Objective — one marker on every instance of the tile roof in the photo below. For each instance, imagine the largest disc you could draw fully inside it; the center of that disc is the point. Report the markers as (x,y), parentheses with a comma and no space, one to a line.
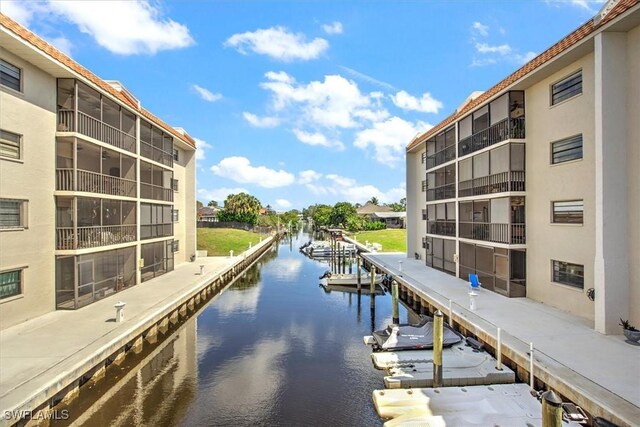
(570,40)
(63,59)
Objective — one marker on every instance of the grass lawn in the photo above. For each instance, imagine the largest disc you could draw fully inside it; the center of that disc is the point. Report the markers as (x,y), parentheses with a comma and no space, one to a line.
(392,240)
(219,241)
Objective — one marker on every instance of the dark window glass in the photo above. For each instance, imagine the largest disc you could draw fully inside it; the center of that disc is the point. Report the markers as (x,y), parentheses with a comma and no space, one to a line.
(10,283)
(568,274)
(566,149)
(175,215)
(175,154)
(568,212)
(11,214)
(9,75)
(175,246)
(566,88)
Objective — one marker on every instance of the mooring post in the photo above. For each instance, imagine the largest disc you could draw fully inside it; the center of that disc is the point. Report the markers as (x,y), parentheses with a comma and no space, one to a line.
(394,303)
(531,365)
(372,273)
(359,273)
(551,409)
(437,348)
(450,314)
(344,259)
(499,349)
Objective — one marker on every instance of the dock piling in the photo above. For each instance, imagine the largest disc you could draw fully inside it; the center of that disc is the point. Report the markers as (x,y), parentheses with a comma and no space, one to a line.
(531,366)
(372,275)
(499,349)
(551,409)
(437,348)
(359,273)
(394,303)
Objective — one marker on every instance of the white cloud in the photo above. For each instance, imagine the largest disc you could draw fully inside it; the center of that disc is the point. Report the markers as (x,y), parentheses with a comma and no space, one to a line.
(482,62)
(278,43)
(61,43)
(201,147)
(591,6)
(389,138)
(305,177)
(206,94)
(333,103)
(261,122)
(349,189)
(283,203)
(125,27)
(502,49)
(526,57)
(218,194)
(367,78)
(20,11)
(239,169)
(480,29)
(317,139)
(426,104)
(333,28)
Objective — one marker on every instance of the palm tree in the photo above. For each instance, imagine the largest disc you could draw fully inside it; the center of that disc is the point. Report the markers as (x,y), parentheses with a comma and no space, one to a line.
(373,201)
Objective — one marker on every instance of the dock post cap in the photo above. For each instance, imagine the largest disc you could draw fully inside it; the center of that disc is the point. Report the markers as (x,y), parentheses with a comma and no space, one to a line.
(551,398)
(119,304)
(438,313)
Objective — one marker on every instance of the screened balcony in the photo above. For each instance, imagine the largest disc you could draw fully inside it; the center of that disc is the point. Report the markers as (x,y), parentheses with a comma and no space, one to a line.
(500,270)
(156,144)
(84,110)
(498,220)
(99,170)
(156,182)
(441,219)
(498,121)
(441,148)
(83,222)
(441,183)
(496,171)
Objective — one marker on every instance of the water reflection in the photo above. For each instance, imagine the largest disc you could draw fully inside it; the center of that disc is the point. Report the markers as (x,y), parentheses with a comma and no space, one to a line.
(273,349)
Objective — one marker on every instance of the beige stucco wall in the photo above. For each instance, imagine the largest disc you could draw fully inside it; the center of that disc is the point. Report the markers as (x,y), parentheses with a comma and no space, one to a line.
(31,114)
(184,201)
(416,227)
(633,171)
(564,181)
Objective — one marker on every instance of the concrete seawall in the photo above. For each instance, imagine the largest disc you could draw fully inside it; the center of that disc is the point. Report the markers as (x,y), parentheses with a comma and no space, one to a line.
(46,361)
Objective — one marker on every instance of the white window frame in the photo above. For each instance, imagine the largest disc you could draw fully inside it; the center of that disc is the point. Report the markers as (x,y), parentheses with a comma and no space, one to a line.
(20,283)
(562,80)
(24,223)
(7,142)
(20,76)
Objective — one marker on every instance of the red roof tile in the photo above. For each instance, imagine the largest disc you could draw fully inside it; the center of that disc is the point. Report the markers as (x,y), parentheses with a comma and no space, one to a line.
(56,55)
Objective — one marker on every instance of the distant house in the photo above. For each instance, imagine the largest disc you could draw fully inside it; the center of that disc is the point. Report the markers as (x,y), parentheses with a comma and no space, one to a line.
(208,214)
(383,214)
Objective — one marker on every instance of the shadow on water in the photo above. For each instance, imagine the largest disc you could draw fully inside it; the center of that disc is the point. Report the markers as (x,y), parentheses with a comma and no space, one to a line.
(273,349)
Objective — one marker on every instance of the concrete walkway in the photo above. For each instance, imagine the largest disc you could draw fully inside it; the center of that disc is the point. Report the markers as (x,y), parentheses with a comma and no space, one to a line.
(42,353)
(605,366)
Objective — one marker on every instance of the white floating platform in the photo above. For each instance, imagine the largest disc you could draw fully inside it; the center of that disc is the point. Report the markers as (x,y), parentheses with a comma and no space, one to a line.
(460,367)
(390,359)
(497,405)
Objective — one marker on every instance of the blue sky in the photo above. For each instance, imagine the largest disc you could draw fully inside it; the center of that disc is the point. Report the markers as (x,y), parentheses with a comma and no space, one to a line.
(302,102)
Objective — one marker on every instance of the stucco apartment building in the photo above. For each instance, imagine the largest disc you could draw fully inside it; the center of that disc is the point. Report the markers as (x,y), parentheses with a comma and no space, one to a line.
(535,184)
(96,193)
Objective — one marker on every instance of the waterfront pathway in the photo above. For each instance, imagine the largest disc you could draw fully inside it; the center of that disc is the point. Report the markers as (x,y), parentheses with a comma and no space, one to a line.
(603,367)
(40,354)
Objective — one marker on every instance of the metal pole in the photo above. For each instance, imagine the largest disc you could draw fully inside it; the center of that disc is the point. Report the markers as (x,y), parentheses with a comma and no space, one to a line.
(450,314)
(359,273)
(551,409)
(437,349)
(531,366)
(344,259)
(499,350)
(394,303)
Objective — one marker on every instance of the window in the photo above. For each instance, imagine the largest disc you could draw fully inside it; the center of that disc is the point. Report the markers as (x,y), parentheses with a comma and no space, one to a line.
(175,154)
(10,144)
(568,212)
(13,214)
(10,283)
(568,274)
(175,246)
(566,88)
(424,214)
(174,184)
(423,156)
(174,215)
(566,150)
(10,75)
(424,185)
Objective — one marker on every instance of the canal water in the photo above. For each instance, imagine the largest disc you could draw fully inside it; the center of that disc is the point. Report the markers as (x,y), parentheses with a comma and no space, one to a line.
(274,349)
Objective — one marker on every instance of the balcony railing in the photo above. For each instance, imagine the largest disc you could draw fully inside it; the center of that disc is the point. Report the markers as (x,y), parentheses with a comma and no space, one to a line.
(94,182)
(501,131)
(95,129)
(150,152)
(441,157)
(443,228)
(151,231)
(155,192)
(91,237)
(497,183)
(491,232)
(443,192)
